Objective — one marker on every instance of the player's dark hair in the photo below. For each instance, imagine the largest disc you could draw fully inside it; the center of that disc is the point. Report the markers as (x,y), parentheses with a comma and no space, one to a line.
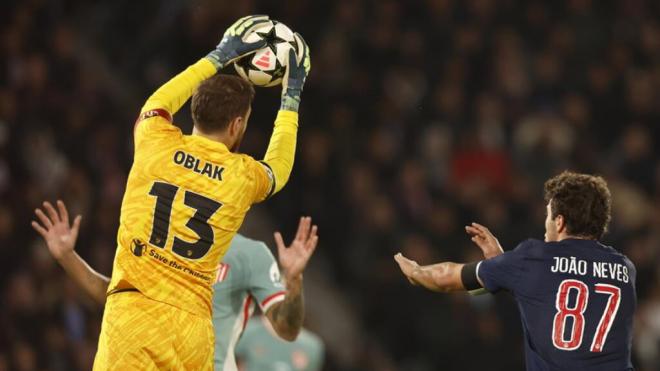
(219,100)
(583,200)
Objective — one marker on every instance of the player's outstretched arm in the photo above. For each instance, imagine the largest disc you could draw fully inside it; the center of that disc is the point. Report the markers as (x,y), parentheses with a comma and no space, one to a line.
(61,238)
(171,96)
(441,277)
(287,316)
(448,276)
(282,147)
(486,241)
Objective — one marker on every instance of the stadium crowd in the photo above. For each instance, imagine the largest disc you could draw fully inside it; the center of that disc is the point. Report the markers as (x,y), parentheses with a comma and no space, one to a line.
(418,117)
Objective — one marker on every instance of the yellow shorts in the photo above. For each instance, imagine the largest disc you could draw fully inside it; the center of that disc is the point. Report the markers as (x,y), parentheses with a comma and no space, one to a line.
(143,334)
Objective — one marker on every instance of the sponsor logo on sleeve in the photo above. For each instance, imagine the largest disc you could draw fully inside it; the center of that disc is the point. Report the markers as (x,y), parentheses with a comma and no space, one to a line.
(275,273)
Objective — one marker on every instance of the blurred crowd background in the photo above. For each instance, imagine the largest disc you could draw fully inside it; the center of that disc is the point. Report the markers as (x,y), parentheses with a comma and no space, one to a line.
(418,118)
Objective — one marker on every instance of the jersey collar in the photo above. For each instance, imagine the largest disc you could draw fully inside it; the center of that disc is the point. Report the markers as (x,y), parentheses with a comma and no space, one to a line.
(208,143)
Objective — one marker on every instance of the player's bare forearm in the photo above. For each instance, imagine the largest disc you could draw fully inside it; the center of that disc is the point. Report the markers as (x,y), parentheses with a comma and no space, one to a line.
(282,147)
(94,283)
(174,93)
(287,316)
(441,277)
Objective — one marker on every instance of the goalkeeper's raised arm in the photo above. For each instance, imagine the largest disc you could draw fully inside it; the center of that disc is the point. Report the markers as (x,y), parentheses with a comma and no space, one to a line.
(281,150)
(173,94)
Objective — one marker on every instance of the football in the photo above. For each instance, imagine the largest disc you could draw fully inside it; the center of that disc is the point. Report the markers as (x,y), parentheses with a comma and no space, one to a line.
(267,66)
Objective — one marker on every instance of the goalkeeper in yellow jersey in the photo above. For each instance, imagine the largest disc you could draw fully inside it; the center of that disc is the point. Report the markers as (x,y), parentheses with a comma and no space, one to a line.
(185,199)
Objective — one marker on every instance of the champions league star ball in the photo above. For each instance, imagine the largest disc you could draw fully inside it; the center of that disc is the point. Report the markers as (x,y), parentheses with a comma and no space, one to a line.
(267,66)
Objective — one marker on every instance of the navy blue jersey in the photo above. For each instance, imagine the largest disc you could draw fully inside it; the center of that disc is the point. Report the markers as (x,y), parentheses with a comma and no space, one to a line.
(576,300)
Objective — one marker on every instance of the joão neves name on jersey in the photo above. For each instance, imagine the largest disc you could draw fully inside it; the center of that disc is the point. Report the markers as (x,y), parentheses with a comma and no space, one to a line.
(198,166)
(572,265)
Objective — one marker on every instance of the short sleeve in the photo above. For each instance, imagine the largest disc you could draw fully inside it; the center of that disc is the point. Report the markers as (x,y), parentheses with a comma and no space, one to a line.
(504,271)
(154,124)
(264,180)
(265,282)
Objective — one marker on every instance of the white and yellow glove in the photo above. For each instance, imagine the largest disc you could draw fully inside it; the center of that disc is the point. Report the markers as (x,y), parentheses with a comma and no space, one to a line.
(232,46)
(294,79)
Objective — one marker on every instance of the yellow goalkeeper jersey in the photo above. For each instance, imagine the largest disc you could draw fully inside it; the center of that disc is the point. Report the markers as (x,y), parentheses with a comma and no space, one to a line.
(186,197)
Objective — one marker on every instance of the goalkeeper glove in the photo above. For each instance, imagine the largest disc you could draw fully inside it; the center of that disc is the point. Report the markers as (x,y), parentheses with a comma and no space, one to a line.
(232,46)
(296,72)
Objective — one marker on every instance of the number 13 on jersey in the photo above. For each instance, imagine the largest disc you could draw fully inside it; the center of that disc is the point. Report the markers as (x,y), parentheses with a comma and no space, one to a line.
(204,209)
(576,313)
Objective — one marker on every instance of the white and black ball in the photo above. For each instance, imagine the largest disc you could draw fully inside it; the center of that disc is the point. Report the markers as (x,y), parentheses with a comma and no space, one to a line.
(266,67)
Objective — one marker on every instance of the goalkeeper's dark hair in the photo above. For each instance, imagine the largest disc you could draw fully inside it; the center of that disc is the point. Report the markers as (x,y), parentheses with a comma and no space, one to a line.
(219,100)
(583,200)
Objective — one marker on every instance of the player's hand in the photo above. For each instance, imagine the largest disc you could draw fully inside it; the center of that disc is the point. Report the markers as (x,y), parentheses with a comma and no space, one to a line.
(483,238)
(59,235)
(293,259)
(233,45)
(407,266)
(297,70)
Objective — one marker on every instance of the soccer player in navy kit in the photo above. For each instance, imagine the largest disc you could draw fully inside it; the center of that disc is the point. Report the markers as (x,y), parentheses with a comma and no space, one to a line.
(576,296)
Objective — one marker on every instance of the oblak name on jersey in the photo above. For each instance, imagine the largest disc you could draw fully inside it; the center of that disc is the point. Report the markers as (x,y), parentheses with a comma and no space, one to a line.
(573,265)
(194,164)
